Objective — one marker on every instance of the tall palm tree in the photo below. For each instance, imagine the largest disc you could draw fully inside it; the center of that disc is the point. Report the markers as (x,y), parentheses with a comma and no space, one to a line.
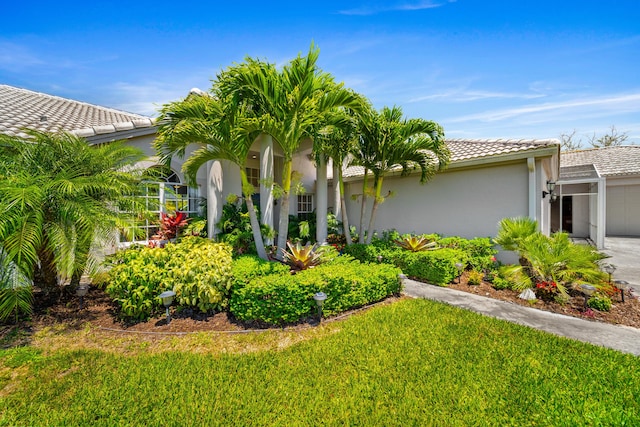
(216,124)
(388,142)
(335,140)
(287,103)
(58,196)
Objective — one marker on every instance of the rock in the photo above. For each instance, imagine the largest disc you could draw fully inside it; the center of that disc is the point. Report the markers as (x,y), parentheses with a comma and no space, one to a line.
(527,294)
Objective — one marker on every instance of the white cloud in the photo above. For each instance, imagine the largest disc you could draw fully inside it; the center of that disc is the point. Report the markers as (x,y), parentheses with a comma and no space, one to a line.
(15,58)
(458,95)
(596,107)
(147,97)
(372,10)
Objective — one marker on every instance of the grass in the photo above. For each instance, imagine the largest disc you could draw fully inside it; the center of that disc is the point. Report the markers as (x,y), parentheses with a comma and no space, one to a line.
(415,362)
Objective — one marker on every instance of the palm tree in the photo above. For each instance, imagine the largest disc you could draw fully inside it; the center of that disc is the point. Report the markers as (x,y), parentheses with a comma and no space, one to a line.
(59,196)
(387,142)
(216,124)
(287,104)
(335,140)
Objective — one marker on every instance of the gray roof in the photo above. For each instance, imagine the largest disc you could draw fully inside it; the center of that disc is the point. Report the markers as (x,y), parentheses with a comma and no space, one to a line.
(22,108)
(608,161)
(475,149)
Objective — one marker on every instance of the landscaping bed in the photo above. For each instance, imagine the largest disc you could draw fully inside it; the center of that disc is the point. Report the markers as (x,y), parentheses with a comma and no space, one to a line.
(627,313)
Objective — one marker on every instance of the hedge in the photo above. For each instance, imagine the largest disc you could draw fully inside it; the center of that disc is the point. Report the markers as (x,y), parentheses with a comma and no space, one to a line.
(279,299)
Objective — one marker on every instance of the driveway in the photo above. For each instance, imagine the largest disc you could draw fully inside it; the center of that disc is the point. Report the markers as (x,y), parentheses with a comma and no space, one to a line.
(625,255)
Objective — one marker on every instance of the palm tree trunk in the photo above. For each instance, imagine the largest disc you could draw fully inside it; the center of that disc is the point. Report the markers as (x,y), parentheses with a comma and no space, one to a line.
(363,207)
(283,223)
(374,210)
(343,204)
(247,190)
(46,274)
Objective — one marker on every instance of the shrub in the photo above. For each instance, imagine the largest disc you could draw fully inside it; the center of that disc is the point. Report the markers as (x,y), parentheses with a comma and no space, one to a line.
(363,252)
(198,270)
(200,273)
(437,267)
(500,283)
(247,267)
(279,299)
(475,277)
(600,302)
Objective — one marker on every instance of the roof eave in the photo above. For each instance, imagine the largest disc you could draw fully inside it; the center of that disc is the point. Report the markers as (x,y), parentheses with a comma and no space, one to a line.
(547,151)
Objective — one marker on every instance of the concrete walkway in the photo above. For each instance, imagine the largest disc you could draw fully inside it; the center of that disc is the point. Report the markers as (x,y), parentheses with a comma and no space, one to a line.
(622,338)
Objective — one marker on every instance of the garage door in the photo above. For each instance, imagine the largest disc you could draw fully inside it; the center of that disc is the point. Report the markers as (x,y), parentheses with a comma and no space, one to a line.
(623,210)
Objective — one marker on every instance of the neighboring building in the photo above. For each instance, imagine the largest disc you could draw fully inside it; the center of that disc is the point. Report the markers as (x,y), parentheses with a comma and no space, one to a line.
(599,193)
(487,180)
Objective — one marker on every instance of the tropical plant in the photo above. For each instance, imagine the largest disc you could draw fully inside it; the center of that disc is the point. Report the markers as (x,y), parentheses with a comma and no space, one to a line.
(416,243)
(553,259)
(217,123)
(513,232)
(15,289)
(301,257)
(387,142)
(170,225)
(59,196)
(335,140)
(288,103)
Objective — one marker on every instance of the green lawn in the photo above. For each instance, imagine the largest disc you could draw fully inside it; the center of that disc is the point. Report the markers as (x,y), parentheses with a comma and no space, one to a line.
(414,362)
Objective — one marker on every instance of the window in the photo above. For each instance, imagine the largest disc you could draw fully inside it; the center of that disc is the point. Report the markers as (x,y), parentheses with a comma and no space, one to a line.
(164,194)
(305,206)
(253,175)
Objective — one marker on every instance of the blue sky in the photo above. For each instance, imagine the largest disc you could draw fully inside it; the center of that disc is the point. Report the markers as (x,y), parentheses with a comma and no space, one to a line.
(482,69)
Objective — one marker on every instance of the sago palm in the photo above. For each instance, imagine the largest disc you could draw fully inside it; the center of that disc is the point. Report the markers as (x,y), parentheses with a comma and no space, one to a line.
(217,125)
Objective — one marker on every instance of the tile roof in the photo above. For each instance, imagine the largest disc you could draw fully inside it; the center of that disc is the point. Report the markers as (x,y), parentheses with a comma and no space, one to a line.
(472,149)
(608,161)
(22,108)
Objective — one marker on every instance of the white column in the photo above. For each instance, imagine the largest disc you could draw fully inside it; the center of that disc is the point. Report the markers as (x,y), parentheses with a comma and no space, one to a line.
(215,197)
(602,213)
(223,179)
(337,206)
(321,200)
(533,194)
(266,176)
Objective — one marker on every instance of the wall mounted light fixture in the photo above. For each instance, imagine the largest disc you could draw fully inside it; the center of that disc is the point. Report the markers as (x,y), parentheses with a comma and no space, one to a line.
(551,186)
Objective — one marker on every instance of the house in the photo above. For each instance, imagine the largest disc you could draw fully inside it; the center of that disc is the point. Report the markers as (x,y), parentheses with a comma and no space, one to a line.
(598,193)
(487,180)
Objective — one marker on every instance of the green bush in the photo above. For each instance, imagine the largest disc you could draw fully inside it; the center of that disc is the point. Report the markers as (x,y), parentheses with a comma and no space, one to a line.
(198,270)
(363,252)
(437,267)
(500,283)
(475,277)
(279,299)
(200,273)
(480,250)
(247,267)
(600,302)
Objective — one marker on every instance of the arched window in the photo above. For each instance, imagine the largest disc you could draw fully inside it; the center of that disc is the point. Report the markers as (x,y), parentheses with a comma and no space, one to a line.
(162,191)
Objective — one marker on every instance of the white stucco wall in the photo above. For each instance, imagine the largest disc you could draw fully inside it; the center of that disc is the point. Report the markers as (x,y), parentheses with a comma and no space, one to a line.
(467,203)
(623,206)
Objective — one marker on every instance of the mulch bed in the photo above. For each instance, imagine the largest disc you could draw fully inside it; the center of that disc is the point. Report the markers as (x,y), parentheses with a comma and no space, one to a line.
(101,312)
(627,313)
